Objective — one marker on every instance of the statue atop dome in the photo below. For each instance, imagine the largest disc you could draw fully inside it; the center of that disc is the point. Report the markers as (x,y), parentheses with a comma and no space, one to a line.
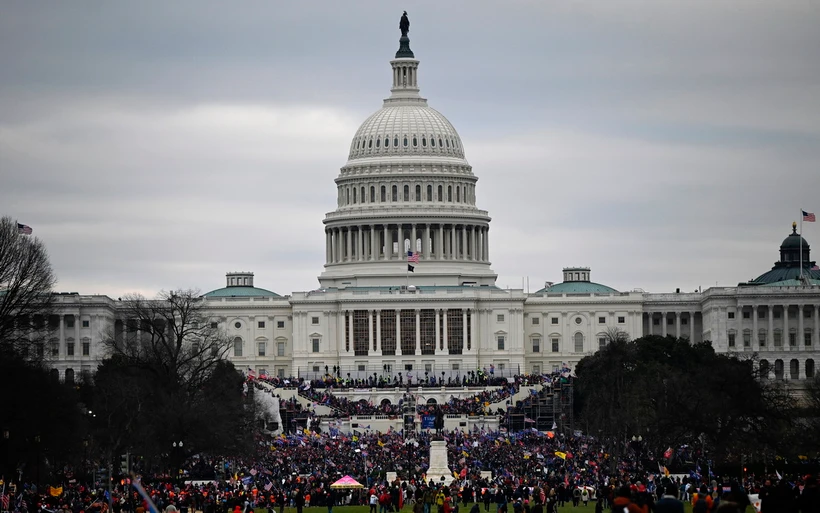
(404,24)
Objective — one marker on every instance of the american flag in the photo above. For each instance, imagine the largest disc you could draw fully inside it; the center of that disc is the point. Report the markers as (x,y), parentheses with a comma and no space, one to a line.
(5,501)
(412,257)
(26,229)
(815,268)
(809,217)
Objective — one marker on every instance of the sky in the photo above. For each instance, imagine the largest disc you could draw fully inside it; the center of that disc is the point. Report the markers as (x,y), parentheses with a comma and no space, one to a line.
(157,145)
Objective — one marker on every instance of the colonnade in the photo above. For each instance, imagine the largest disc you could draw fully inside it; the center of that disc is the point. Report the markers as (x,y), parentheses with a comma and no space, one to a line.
(374,242)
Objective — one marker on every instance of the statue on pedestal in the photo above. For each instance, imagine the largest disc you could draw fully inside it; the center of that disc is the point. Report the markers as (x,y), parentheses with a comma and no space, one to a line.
(404,24)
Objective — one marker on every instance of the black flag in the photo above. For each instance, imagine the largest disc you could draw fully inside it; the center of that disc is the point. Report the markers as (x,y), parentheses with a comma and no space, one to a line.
(410,268)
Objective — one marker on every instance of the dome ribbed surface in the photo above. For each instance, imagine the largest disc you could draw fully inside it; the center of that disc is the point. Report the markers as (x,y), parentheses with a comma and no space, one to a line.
(407,130)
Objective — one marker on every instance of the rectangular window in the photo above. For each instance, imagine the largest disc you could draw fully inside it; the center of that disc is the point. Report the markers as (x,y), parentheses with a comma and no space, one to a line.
(536,369)
(86,324)
(280,349)
(315,343)
(731,315)
(237,347)
(621,320)
(579,343)
(315,368)
(777,314)
(731,340)
(792,339)
(536,321)
(55,349)
(761,338)
(428,367)
(554,320)
(536,345)
(280,324)
(361,367)
(601,342)
(280,372)
(69,322)
(214,325)
(747,315)
(456,366)
(500,341)
(261,349)
(778,339)
(670,321)
(684,321)
(555,345)
(314,320)
(260,324)
(656,321)
(601,320)
(499,318)
(86,348)
(408,366)
(747,340)
(807,338)
(501,367)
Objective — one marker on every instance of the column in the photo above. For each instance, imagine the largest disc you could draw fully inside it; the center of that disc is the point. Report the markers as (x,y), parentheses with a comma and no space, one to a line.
(800,330)
(62,334)
(378,330)
(755,343)
(487,244)
(78,344)
(770,334)
(649,319)
(439,242)
(463,242)
(663,323)
(417,349)
(446,345)
(692,327)
(360,245)
(425,244)
(348,245)
(438,329)
(473,330)
(413,246)
(386,241)
(370,345)
(332,246)
(816,313)
(677,324)
(349,315)
(327,247)
(784,338)
(374,255)
(453,250)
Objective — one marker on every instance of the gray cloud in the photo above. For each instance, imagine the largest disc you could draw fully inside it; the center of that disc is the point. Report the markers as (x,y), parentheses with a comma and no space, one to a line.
(155,145)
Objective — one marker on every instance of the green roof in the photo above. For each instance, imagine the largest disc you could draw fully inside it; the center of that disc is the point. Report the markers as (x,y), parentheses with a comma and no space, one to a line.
(241,292)
(791,283)
(578,287)
(779,274)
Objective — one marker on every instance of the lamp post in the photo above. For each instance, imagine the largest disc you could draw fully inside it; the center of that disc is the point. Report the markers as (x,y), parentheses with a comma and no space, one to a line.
(177,450)
(37,444)
(7,443)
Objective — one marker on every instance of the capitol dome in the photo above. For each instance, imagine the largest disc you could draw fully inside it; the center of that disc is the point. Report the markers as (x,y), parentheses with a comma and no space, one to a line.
(413,129)
(406,199)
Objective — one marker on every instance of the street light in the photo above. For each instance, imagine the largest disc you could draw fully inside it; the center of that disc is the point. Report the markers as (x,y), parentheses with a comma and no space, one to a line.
(407,444)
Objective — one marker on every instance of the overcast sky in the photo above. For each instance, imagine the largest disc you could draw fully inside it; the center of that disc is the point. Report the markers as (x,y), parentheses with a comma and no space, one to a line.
(158,145)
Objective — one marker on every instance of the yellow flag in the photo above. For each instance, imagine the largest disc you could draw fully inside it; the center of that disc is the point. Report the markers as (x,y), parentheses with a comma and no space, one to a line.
(464,453)
(561,455)
(665,472)
(381,444)
(355,438)
(55,492)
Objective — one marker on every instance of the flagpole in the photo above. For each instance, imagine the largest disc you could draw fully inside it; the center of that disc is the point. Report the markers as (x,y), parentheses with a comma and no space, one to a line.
(800,243)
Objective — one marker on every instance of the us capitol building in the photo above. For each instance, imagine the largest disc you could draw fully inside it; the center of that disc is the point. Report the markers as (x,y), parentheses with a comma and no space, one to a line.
(407,187)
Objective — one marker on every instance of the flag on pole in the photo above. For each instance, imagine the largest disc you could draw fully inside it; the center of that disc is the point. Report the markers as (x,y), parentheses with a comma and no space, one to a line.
(815,268)
(251,373)
(410,268)
(561,455)
(414,257)
(25,229)
(808,217)
(779,477)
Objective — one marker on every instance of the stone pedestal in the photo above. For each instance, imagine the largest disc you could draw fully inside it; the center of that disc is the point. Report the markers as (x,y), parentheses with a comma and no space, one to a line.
(438,464)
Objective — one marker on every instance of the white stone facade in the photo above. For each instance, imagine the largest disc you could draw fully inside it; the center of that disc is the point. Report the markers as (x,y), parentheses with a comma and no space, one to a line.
(407,187)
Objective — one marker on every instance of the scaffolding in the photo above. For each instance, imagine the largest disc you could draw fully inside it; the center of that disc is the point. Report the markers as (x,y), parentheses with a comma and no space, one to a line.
(409,415)
(564,406)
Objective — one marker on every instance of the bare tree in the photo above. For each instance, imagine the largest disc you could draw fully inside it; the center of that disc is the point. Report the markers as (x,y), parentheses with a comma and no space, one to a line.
(26,283)
(171,336)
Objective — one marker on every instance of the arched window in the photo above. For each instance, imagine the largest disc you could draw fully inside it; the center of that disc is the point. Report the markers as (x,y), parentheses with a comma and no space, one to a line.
(405,142)
(423,142)
(764,369)
(387,142)
(370,143)
(810,369)
(354,195)
(794,369)
(579,342)
(347,191)
(237,346)
(69,376)
(450,193)
(385,402)
(418,192)
(406,193)
(458,194)
(395,195)
(362,196)
(415,141)
(384,194)
(778,369)
(439,143)
(396,142)
(429,193)
(432,401)
(378,142)
(433,142)
(440,193)
(372,194)
(448,142)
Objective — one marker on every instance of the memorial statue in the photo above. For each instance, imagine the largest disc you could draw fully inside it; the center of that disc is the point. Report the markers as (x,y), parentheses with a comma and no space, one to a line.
(404,25)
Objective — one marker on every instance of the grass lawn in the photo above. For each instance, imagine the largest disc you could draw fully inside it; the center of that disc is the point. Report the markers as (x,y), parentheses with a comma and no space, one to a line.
(687,508)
